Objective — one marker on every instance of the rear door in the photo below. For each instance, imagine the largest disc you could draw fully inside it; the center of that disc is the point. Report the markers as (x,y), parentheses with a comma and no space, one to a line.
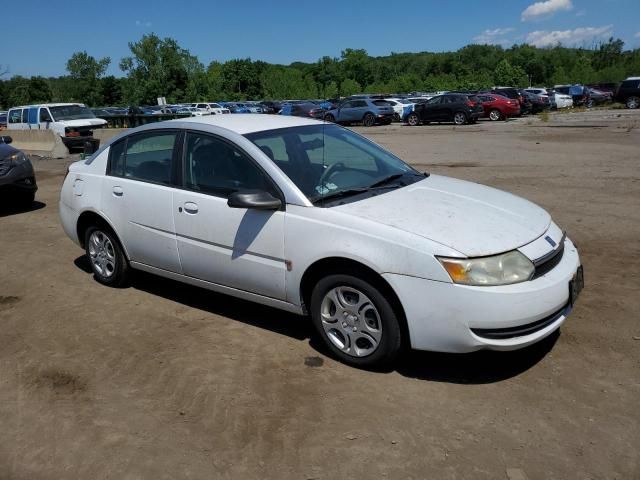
(137,196)
(345,112)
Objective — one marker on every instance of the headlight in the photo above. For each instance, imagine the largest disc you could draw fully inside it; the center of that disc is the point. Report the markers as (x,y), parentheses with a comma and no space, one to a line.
(17,158)
(504,269)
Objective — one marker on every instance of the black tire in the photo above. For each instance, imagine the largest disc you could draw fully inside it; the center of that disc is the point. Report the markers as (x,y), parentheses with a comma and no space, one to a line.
(495,115)
(413,119)
(632,102)
(118,274)
(329,118)
(590,103)
(369,120)
(390,342)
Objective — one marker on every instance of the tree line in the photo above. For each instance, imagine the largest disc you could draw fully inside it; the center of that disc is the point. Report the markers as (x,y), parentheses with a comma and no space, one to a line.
(160,67)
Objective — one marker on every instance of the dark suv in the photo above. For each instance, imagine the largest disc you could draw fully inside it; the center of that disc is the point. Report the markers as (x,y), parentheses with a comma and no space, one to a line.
(453,107)
(629,92)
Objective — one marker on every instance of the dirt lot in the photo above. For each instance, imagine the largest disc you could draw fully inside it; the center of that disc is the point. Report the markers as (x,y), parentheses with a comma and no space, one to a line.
(164,381)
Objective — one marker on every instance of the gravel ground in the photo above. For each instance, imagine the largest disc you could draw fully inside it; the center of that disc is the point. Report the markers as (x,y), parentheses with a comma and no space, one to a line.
(165,381)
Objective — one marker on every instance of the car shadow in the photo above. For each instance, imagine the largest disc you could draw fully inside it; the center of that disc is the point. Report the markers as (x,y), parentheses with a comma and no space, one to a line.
(475,368)
(469,368)
(6,209)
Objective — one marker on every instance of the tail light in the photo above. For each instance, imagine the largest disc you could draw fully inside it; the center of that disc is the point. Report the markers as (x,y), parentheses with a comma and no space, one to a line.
(469,103)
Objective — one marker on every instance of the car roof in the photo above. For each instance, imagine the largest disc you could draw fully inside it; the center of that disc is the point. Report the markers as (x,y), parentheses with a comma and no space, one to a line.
(248,123)
(50,105)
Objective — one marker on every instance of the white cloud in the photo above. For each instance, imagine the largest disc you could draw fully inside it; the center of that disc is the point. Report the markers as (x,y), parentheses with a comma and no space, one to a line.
(578,36)
(581,13)
(637,35)
(493,36)
(544,8)
(140,23)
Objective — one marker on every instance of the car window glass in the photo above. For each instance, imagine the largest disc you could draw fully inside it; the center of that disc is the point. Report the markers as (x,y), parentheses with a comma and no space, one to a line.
(217,167)
(148,157)
(15,116)
(383,103)
(347,105)
(25,114)
(44,115)
(434,101)
(116,158)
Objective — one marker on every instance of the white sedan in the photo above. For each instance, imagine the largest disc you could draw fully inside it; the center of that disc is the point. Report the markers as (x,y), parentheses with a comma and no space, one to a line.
(312,218)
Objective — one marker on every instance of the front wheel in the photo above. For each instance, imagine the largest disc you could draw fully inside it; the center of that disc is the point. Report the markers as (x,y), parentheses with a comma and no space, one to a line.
(413,119)
(107,260)
(633,102)
(368,120)
(355,321)
(330,118)
(459,118)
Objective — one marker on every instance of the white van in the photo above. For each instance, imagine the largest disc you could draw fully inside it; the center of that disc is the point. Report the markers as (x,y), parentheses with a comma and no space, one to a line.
(74,122)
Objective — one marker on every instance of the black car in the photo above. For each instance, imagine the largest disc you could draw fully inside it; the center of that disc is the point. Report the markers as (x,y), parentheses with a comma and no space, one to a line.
(271,107)
(629,92)
(17,178)
(456,108)
(3,120)
(535,103)
(303,110)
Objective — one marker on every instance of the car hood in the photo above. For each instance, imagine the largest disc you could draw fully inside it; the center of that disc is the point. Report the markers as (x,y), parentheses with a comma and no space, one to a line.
(473,219)
(83,122)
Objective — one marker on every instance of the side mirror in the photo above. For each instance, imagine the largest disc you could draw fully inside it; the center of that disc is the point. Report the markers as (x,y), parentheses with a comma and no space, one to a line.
(6,139)
(256,199)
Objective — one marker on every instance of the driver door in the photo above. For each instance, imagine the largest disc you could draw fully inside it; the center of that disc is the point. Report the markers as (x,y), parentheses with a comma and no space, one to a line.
(235,247)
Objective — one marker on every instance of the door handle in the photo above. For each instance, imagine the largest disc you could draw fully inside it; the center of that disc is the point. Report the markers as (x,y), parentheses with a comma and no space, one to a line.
(117,191)
(191,208)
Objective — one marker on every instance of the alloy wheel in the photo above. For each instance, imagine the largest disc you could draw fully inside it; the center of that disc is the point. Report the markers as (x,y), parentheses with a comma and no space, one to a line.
(351,321)
(102,254)
(459,118)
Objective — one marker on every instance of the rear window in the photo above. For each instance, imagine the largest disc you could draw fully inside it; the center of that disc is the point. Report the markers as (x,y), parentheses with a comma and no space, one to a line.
(631,84)
(382,103)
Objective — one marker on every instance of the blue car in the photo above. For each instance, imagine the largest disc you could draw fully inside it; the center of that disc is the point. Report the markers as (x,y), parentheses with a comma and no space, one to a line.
(367,111)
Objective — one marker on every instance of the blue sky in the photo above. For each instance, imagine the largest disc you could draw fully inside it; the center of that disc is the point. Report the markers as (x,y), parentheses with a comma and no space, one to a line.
(41,35)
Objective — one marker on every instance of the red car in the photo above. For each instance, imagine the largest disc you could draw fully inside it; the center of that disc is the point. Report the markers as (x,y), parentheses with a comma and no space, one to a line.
(497,107)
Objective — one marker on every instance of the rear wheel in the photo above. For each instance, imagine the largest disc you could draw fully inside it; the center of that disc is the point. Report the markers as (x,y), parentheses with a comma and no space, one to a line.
(459,118)
(108,262)
(355,321)
(368,120)
(633,102)
(495,115)
(413,119)
(329,118)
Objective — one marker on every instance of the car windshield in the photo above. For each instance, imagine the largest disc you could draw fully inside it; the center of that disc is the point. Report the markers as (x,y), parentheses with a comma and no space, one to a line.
(328,161)
(70,112)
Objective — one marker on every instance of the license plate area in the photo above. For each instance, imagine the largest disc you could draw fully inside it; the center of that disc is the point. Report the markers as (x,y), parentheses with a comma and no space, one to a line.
(576,285)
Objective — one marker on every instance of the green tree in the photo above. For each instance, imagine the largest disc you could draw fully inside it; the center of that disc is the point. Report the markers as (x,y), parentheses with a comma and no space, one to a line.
(111,88)
(356,65)
(86,71)
(156,68)
(507,74)
(39,90)
(349,87)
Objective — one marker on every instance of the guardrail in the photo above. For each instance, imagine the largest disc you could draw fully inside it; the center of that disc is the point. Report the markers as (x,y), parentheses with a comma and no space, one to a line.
(131,121)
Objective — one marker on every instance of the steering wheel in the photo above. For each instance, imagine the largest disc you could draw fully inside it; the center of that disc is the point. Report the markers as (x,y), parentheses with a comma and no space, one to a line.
(330,171)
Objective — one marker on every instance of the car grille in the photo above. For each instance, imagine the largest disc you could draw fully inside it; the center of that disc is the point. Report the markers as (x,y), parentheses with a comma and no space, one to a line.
(550,261)
(521,330)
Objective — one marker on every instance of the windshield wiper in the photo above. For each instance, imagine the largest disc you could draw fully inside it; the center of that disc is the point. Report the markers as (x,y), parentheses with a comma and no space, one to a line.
(338,194)
(385,180)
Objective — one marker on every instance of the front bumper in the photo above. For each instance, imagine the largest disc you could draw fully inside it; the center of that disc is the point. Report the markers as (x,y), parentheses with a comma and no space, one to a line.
(448,317)
(20,178)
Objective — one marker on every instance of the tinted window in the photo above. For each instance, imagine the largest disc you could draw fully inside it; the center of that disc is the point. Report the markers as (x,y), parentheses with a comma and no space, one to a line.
(435,101)
(359,103)
(217,167)
(44,115)
(25,114)
(347,105)
(383,103)
(147,157)
(116,158)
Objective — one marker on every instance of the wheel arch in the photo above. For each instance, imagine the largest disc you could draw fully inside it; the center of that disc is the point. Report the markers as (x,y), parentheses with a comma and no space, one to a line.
(89,218)
(342,265)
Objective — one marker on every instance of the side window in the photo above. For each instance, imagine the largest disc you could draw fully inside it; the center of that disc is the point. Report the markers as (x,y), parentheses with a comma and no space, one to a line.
(116,158)
(216,167)
(15,116)
(360,103)
(147,157)
(435,101)
(347,105)
(25,115)
(44,115)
